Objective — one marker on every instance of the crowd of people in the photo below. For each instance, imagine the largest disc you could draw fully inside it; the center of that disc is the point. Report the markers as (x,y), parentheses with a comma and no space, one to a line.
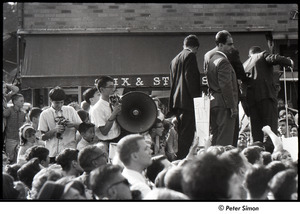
(80,152)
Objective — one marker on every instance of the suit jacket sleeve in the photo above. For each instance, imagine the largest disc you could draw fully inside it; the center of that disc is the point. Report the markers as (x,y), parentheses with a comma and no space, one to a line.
(275,59)
(225,80)
(192,76)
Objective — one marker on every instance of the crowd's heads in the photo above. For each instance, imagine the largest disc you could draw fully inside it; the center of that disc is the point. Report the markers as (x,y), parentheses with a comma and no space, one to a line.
(84,115)
(191,41)
(256,182)
(26,133)
(87,131)
(253,154)
(158,164)
(173,178)
(85,106)
(221,37)
(132,149)
(68,159)
(216,150)
(12,170)
(34,114)
(38,152)
(51,191)
(91,95)
(107,182)
(102,81)
(275,167)
(254,50)
(267,158)
(18,100)
(282,155)
(28,171)
(92,157)
(207,178)
(284,184)
(46,174)
(57,94)
(8,190)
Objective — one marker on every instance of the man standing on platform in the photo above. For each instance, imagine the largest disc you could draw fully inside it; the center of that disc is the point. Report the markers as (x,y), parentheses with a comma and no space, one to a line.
(185,85)
(224,91)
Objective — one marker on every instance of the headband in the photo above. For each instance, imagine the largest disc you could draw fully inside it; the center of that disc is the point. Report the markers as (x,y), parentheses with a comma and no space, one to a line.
(25,129)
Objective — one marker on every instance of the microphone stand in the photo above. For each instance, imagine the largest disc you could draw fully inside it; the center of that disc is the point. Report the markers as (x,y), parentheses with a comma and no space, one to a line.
(286,105)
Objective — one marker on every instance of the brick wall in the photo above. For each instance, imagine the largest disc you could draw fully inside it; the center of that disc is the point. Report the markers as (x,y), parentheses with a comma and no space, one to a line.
(163,17)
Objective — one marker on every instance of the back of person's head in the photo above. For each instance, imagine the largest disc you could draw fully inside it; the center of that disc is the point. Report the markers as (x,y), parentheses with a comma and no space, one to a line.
(267,158)
(102,81)
(275,167)
(127,146)
(252,153)
(160,178)
(66,157)
(256,181)
(15,97)
(57,94)
(173,178)
(84,115)
(46,174)
(191,41)
(229,147)
(236,160)
(83,127)
(216,150)
(255,49)
(12,170)
(89,93)
(207,178)
(221,37)
(37,152)
(34,113)
(284,184)
(8,190)
(51,191)
(88,155)
(85,106)
(28,171)
(165,194)
(102,177)
(156,167)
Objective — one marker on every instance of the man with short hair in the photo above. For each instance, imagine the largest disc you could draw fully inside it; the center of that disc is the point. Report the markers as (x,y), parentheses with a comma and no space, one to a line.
(39,152)
(15,118)
(135,154)
(223,86)
(185,85)
(103,114)
(261,92)
(87,132)
(91,96)
(58,124)
(68,159)
(89,159)
(107,182)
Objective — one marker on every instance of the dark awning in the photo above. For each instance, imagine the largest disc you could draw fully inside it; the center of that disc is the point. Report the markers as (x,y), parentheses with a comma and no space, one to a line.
(73,60)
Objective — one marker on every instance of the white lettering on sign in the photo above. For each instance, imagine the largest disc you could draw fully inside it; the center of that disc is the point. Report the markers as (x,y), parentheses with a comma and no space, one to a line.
(156,81)
(165,80)
(139,81)
(116,81)
(125,81)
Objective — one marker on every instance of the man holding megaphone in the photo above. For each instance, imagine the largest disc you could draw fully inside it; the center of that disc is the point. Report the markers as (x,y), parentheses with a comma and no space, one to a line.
(104,114)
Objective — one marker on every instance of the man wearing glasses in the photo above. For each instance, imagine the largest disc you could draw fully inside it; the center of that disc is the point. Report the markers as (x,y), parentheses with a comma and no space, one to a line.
(103,114)
(107,182)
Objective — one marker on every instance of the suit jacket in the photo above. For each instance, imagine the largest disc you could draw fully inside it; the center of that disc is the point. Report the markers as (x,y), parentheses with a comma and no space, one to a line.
(185,81)
(222,82)
(261,85)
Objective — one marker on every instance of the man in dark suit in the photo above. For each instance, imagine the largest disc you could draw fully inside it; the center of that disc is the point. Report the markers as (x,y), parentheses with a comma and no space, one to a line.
(223,86)
(185,85)
(261,92)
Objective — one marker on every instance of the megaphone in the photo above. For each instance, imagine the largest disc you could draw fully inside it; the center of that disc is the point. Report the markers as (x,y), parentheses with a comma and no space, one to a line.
(138,112)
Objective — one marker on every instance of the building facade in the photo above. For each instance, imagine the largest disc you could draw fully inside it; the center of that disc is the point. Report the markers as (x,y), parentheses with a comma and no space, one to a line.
(71,44)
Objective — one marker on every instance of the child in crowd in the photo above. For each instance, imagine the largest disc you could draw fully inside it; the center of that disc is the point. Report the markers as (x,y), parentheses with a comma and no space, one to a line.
(87,132)
(28,139)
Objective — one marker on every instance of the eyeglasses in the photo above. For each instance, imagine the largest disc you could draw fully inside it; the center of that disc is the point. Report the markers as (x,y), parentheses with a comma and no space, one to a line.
(125,181)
